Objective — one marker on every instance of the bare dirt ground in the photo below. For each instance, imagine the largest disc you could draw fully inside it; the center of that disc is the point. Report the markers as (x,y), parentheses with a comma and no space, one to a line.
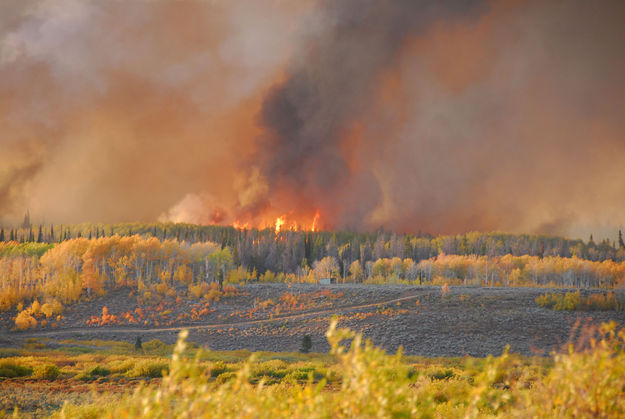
(274,317)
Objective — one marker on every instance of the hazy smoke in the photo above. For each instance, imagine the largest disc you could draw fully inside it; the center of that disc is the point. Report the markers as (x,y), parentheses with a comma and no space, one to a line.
(116,110)
(329,84)
(441,116)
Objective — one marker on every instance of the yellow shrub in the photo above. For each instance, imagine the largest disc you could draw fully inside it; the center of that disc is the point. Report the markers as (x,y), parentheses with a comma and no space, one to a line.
(52,309)
(213,295)
(198,290)
(161,288)
(25,320)
(35,309)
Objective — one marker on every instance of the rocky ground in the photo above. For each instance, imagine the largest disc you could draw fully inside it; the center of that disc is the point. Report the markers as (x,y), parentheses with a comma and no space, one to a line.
(423,320)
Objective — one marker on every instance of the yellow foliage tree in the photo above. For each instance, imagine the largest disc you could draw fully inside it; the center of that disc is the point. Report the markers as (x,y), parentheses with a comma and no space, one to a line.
(25,320)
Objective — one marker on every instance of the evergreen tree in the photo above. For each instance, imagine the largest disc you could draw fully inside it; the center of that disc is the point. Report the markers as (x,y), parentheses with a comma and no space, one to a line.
(306,344)
(40,234)
(31,236)
(51,237)
(1,234)
(26,222)
(620,240)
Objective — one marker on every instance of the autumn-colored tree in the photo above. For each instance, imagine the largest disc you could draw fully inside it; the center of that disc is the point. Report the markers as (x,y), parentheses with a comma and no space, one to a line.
(326,268)
(355,271)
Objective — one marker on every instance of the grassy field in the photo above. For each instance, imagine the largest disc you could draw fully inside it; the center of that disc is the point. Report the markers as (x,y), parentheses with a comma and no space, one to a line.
(73,378)
(40,377)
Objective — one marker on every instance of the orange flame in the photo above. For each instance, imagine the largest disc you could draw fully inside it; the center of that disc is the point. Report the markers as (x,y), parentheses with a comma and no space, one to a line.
(280,222)
(240,226)
(315,221)
(284,222)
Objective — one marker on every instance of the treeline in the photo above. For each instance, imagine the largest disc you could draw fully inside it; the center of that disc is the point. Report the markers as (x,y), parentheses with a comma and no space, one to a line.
(289,251)
(484,271)
(150,267)
(523,270)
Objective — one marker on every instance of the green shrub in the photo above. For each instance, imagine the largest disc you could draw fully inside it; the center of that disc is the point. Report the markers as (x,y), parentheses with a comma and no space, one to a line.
(99,371)
(218,368)
(574,301)
(225,376)
(157,347)
(273,369)
(442,374)
(11,370)
(149,369)
(46,372)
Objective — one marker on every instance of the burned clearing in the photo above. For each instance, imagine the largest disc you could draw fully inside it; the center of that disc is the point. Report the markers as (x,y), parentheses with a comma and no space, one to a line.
(426,321)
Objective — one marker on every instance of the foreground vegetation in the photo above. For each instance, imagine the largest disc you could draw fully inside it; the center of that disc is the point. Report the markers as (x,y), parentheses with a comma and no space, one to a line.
(354,380)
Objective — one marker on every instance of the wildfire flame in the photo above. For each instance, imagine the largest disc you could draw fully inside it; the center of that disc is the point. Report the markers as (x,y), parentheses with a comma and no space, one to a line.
(315,221)
(280,222)
(240,226)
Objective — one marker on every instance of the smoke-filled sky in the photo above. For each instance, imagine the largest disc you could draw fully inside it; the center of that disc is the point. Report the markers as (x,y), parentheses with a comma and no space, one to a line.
(442,116)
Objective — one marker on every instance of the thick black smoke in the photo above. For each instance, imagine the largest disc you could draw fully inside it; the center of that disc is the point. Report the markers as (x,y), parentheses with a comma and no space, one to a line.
(330,81)
(468,115)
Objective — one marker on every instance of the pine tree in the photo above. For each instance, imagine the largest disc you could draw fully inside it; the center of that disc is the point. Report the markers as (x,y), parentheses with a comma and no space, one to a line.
(40,235)
(26,222)
(2,235)
(620,240)
(138,344)
(31,236)
(306,344)
(51,238)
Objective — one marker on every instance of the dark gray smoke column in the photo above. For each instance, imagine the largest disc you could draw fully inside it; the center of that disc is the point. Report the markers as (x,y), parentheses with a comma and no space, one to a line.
(329,83)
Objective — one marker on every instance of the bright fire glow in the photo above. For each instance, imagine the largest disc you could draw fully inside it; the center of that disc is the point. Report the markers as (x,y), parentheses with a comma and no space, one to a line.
(280,222)
(240,226)
(285,222)
(315,227)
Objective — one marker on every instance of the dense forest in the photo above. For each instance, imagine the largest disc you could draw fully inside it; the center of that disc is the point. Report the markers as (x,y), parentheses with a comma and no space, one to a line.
(285,251)
(62,264)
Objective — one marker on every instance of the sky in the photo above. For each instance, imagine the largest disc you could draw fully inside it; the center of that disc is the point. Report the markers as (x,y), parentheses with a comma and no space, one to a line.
(439,116)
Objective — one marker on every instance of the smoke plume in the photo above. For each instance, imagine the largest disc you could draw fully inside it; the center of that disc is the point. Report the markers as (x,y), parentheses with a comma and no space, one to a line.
(443,116)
